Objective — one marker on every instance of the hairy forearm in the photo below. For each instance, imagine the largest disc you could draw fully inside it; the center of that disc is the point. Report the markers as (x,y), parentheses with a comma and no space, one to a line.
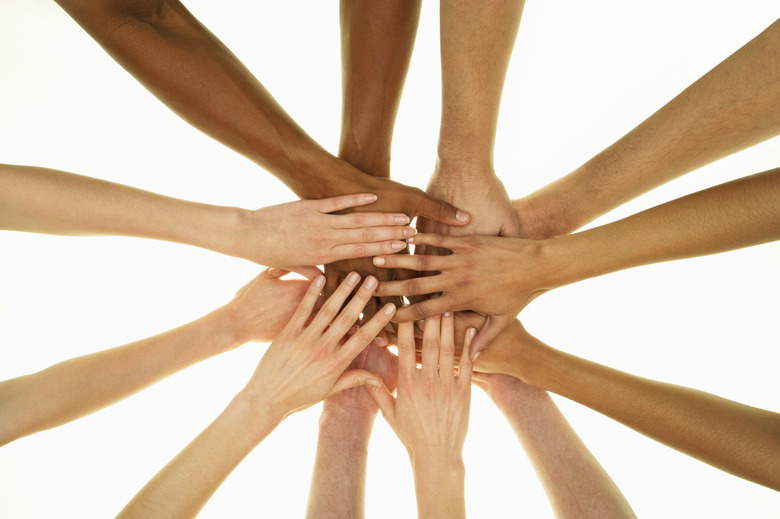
(338,484)
(184,65)
(48,201)
(574,481)
(737,214)
(732,107)
(184,486)
(477,39)
(736,438)
(80,386)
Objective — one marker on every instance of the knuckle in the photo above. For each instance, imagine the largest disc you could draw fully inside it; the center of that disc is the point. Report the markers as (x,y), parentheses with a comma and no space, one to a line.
(359,251)
(358,220)
(423,262)
(412,287)
(367,235)
(420,311)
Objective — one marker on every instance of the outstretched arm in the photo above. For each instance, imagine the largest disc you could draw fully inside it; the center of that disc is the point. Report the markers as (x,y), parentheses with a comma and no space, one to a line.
(83,385)
(499,277)
(338,483)
(430,415)
(477,39)
(174,56)
(732,107)
(576,484)
(303,365)
(736,438)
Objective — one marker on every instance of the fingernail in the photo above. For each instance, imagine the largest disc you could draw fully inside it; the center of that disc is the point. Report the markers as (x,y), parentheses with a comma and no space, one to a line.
(389,309)
(274,272)
(461,216)
(474,358)
(370,282)
(398,245)
(352,278)
(447,314)
(379,261)
(373,382)
(410,240)
(319,281)
(369,198)
(380,341)
(402,219)
(472,333)
(410,231)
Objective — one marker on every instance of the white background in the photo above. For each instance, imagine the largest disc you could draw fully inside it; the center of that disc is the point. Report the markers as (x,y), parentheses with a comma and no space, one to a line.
(582,75)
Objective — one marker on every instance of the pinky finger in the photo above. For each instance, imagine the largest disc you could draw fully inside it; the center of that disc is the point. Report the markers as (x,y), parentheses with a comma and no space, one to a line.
(307,304)
(466,366)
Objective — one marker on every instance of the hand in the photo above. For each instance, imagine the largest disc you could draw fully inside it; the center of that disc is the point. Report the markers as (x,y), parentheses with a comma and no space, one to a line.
(262,307)
(305,233)
(306,363)
(431,413)
(480,275)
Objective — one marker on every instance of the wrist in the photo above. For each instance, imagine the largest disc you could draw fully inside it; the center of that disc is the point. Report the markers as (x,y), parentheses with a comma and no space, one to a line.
(254,415)
(352,413)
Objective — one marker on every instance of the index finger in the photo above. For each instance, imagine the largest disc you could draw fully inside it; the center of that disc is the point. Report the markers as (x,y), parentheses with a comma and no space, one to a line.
(338,203)
(440,211)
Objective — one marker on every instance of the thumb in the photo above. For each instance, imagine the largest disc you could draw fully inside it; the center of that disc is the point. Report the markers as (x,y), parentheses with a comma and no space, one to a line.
(442,212)
(308,272)
(384,399)
(274,272)
(355,378)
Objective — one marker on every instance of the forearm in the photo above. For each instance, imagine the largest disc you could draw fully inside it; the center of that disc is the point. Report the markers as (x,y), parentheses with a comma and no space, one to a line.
(440,488)
(737,214)
(574,481)
(734,106)
(48,201)
(477,40)
(377,39)
(733,437)
(338,484)
(80,386)
(184,485)
(179,61)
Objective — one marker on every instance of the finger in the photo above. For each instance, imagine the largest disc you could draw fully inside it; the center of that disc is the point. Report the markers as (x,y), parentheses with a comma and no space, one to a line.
(366,334)
(447,347)
(365,250)
(384,399)
(407,364)
(430,346)
(443,212)
(362,220)
(493,327)
(338,203)
(333,277)
(275,273)
(429,307)
(306,306)
(416,262)
(351,312)
(414,286)
(354,378)
(308,272)
(467,357)
(333,304)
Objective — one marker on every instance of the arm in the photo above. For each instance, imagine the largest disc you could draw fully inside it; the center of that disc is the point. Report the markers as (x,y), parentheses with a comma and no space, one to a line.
(338,484)
(288,235)
(303,365)
(734,106)
(195,75)
(430,415)
(477,39)
(500,276)
(736,438)
(83,385)
(576,484)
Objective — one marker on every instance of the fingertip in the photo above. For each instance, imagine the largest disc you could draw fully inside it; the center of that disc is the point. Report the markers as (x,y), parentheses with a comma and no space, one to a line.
(379,261)
(319,281)
(462,216)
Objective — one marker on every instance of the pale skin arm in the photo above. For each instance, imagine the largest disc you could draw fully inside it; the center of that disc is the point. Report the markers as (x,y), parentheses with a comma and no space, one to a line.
(736,438)
(304,365)
(80,386)
(430,414)
(338,484)
(195,75)
(499,277)
(576,484)
(734,106)
(289,235)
